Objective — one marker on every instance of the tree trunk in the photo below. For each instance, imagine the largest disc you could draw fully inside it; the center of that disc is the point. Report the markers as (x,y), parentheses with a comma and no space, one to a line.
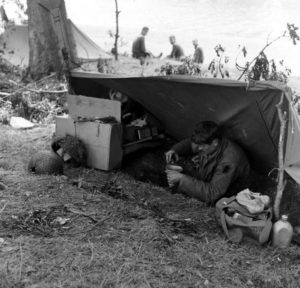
(45,51)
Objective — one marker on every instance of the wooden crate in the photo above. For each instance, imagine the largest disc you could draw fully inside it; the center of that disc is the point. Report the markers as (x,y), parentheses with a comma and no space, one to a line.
(102,140)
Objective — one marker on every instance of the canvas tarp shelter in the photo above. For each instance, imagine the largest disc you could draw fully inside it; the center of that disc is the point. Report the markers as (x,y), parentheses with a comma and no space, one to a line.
(248,114)
(15,46)
(86,49)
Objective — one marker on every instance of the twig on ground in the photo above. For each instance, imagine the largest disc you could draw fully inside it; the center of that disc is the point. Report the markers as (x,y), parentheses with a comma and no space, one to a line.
(2,209)
(82,214)
(45,78)
(21,261)
(37,91)
(5,94)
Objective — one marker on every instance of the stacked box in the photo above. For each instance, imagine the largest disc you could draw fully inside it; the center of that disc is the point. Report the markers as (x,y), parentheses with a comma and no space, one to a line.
(102,140)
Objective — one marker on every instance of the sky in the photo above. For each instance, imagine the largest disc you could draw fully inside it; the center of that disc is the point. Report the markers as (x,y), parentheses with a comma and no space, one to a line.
(227,22)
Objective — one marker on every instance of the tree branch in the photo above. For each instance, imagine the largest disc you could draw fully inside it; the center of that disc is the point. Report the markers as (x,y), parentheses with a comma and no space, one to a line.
(117,30)
(37,91)
(5,94)
(253,60)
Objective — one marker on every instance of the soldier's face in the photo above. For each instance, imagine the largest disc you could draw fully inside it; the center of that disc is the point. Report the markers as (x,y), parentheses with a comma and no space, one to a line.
(204,148)
(200,147)
(144,32)
(172,40)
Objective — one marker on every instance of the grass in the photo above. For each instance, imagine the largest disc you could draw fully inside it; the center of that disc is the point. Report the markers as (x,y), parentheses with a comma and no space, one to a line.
(90,228)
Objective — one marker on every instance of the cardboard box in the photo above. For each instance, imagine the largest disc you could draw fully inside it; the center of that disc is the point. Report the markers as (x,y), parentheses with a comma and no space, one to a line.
(82,106)
(103,141)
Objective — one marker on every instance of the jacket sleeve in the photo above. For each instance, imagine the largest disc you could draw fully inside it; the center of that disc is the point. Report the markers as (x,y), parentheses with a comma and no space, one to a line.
(183,147)
(209,191)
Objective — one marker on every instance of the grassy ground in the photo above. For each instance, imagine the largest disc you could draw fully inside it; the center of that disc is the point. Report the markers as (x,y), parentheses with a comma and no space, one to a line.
(89,228)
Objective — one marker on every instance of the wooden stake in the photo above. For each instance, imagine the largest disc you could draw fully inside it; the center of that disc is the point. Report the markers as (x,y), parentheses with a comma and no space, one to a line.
(117,30)
(280,179)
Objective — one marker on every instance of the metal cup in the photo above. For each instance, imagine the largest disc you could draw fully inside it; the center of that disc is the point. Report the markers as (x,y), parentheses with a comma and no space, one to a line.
(174,167)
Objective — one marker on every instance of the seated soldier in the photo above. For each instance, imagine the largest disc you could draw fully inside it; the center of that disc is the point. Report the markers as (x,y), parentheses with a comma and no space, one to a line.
(219,167)
(139,50)
(198,56)
(177,52)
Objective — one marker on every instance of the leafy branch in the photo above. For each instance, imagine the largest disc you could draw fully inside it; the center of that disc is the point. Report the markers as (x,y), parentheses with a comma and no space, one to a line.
(216,66)
(259,66)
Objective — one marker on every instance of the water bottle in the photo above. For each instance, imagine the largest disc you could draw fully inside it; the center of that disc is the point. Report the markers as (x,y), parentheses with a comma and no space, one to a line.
(282,233)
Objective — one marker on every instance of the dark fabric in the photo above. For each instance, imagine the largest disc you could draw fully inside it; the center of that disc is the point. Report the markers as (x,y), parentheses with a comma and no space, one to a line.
(198,55)
(139,48)
(183,147)
(223,172)
(176,52)
(247,115)
(131,110)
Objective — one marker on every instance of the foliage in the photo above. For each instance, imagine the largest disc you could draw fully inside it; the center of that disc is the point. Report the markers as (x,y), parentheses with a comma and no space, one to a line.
(218,65)
(5,111)
(8,69)
(23,105)
(32,103)
(281,76)
(292,29)
(260,68)
(20,9)
(20,4)
(296,100)
(263,68)
(188,67)
(43,111)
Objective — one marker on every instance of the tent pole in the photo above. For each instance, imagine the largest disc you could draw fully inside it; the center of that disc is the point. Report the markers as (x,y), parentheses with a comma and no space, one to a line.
(280,179)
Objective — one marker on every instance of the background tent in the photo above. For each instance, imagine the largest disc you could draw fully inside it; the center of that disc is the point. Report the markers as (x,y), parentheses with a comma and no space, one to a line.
(14,44)
(248,114)
(15,47)
(86,49)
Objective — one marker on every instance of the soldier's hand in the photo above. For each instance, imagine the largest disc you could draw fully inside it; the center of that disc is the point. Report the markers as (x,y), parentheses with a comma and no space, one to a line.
(173,177)
(171,154)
